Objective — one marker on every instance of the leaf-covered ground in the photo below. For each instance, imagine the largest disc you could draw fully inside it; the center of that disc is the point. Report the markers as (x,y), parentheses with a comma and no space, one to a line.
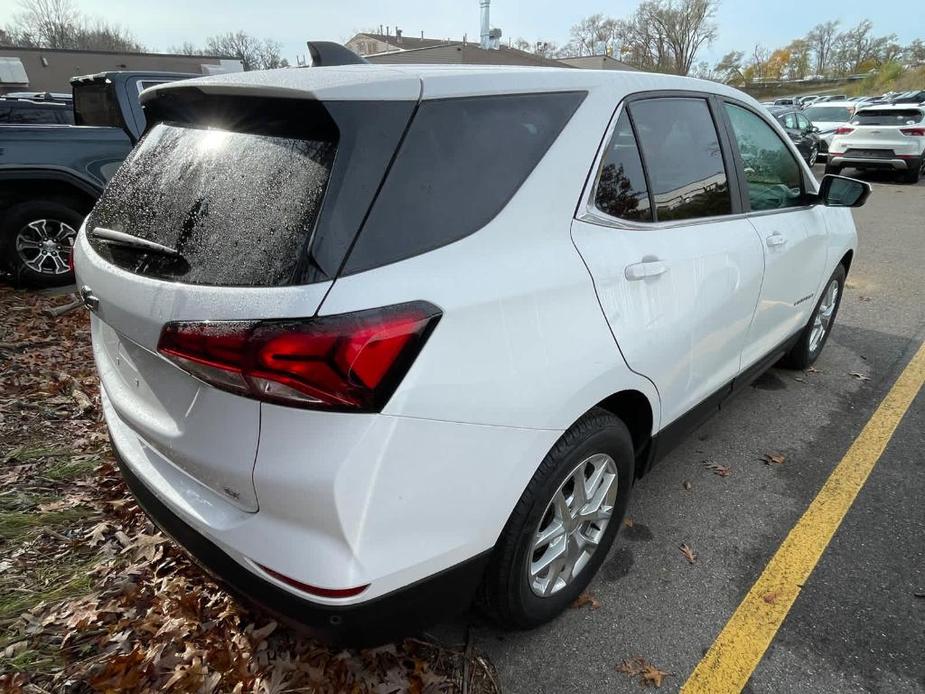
(93,597)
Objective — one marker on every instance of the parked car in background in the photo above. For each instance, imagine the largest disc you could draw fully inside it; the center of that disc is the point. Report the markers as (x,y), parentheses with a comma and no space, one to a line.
(51,173)
(17,110)
(831,97)
(828,116)
(804,134)
(787,101)
(337,345)
(912,97)
(886,136)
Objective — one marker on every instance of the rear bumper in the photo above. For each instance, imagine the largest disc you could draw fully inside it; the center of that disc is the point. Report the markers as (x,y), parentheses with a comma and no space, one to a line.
(873,163)
(387,617)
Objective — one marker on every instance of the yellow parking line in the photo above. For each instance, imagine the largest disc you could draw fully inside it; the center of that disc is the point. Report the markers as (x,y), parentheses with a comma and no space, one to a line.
(741,644)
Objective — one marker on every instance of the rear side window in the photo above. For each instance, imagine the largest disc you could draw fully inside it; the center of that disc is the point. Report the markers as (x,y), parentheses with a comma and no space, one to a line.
(95,104)
(888,116)
(682,156)
(239,208)
(460,163)
(621,186)
(771,171)
(31,115)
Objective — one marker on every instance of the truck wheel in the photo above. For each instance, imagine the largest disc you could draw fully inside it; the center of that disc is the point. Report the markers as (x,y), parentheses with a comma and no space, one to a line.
(37,239)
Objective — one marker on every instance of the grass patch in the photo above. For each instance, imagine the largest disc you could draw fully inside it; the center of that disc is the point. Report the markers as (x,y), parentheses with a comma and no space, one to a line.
(24,454)
(15,524)
(67,470)
(65,578)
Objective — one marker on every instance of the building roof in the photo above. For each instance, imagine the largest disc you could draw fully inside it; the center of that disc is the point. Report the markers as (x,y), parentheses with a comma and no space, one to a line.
(29,49)
(457,53)
(598,62)
(404,42)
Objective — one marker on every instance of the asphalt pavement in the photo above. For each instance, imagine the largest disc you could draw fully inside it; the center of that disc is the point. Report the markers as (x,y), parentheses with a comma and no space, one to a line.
(858,624)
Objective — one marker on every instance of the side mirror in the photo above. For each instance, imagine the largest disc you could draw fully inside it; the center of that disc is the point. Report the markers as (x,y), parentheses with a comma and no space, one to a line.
(841,191)
(814,129)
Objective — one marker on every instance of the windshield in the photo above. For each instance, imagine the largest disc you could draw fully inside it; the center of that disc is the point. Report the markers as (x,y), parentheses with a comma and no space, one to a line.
(891,116)
(828,114)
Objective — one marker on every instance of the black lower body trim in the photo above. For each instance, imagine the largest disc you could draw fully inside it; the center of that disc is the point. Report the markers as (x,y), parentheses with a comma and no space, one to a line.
(388,617)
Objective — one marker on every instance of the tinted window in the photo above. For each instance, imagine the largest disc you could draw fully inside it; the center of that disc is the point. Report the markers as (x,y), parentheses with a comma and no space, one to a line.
(460,163)
(888,116)
(31,115)
(238,207)
(682,156)
(95,104)
(828,114)
(621,185)
(773,175)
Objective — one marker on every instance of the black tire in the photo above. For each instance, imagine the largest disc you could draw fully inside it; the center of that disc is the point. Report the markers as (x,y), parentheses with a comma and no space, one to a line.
(915,173)
(506,590)
(801,356)
(832,169)
(14,225)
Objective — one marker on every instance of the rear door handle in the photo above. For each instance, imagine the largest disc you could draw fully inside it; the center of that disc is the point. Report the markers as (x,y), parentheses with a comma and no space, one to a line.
(649,267)
(776,239)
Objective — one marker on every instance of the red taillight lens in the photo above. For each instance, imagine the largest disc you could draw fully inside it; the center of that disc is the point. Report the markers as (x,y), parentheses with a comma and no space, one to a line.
(913,132)
(315,590)
(844,130)
(352,361)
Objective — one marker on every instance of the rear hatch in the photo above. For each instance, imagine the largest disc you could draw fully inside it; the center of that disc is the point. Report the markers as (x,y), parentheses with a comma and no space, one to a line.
(884,133)
(228,209)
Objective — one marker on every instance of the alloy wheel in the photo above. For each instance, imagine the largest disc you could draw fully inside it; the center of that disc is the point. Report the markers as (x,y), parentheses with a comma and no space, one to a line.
(572,525)
(822,321)
(45,245)
(813,155)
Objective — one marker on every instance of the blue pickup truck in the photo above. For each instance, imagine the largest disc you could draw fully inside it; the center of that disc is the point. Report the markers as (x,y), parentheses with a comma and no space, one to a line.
(51,175)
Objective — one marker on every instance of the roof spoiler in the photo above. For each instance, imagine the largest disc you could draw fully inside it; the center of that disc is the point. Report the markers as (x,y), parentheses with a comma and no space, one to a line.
(325,53)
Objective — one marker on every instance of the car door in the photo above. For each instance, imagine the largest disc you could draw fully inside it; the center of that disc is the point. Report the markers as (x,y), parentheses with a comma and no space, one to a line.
(676,269)
(792,231)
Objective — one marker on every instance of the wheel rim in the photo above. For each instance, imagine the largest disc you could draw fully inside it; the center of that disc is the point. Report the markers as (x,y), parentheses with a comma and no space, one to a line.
(822,321)
(573,525)
(813,155)
(45,246)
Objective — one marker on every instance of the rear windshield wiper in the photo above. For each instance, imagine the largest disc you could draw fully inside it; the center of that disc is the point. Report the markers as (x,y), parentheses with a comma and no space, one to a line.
(120,238)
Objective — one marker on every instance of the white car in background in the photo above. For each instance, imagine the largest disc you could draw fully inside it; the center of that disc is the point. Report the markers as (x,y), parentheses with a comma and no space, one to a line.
(887,136)
(827,116)
(370,336)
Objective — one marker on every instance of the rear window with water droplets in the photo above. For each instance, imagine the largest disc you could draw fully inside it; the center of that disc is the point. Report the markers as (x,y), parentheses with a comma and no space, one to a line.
(229,208)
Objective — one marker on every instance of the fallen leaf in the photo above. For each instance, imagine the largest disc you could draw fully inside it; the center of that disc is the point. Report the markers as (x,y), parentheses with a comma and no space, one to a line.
(629,522)
(586,598)
(860,376)
(688,553)
(648,674)
(772,596)
(716,469)
(811,370)
(687,485)
(775,458)
(863,298)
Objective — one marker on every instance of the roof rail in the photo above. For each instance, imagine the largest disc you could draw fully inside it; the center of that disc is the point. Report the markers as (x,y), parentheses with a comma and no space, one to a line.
(324,53)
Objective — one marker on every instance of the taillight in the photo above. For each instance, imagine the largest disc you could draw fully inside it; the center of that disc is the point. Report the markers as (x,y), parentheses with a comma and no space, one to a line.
(913,132)
(315,590)
(351,361)
(843,130)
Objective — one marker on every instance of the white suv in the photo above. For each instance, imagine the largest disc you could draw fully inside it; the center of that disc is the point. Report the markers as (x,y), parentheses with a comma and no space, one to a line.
(370,337)
(887,136)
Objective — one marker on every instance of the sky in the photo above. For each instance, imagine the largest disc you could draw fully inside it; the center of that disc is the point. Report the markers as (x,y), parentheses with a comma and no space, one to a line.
(742,23)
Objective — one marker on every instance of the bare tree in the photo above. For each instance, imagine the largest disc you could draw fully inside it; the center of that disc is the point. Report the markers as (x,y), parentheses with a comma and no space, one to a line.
(666,35)
(59,24)
(914,53)
(821,38)
(595,35)
(729,69)
(254,54)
